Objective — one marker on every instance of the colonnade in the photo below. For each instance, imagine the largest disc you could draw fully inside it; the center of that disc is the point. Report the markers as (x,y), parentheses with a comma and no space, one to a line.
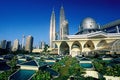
(91,44)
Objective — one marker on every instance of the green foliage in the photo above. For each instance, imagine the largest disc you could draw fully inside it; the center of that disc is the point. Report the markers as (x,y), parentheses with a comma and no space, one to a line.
(46,48)
(101,67)
(76,70)
(20,52)
(68,66)
(13,62)
(113,71)
(57,66)
(5,75)
(42,75)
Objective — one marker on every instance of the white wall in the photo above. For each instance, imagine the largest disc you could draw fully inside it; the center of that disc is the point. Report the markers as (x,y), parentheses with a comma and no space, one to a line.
(94,74)
(111,78)
(28,67)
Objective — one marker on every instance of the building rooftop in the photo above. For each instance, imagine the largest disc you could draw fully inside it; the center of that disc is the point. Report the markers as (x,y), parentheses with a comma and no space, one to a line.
(97,34)
(30,63)
(89,23)
(113,23)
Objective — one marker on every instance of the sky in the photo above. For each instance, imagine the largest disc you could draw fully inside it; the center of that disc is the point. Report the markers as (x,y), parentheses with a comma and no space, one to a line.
(32,17)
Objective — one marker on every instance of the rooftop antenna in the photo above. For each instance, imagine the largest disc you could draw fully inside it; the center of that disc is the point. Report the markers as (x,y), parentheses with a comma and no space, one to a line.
(53,9)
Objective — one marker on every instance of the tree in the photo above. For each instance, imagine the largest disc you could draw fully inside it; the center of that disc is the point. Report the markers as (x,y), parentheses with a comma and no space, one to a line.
(76,71)
(113,71)
(46,49)
(99,67)
(71,68)
(13,62)
(104,69)
(4,75)
(42,75)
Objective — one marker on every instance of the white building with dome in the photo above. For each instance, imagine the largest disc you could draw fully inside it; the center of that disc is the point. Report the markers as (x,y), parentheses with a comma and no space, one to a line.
(89,25)
(89,40)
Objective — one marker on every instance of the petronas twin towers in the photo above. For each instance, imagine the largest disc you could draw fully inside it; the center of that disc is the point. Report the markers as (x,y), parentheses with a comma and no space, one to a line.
(63,32)
(52,30)
(63,25)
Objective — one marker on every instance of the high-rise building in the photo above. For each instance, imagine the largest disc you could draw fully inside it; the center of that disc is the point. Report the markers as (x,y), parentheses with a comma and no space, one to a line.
(29,43)
(15,45)
(52,30)
(23,39)
(3,44)
(65,30)
(8,45)
(42,44)
(63,25)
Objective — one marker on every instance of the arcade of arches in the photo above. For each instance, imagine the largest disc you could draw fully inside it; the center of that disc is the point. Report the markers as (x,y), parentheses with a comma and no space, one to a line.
(84,47)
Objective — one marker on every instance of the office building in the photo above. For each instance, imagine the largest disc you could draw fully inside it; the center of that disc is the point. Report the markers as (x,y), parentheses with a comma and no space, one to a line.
(23,41)
(29,43)
(3,44)
(8,45)
(15,46)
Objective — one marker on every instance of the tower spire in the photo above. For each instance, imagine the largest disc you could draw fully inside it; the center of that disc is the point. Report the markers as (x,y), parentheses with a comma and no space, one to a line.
(62,18)
(63,25)
(52,29)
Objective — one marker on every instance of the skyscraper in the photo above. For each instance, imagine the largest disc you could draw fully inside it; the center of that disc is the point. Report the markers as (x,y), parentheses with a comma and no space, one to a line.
(52,30)
(29,43)
(42,44)
(15,45)
(23,39)
(3,44)
(63,25)
(8,45)
(65,29)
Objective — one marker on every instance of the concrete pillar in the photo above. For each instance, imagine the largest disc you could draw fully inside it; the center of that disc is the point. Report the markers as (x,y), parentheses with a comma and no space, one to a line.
(58,45)
(70,50)
(82,44)
(59,50)
(95,42)
(70,45)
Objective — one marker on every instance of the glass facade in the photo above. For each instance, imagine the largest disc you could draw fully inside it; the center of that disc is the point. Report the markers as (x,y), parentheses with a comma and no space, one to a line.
(111,29)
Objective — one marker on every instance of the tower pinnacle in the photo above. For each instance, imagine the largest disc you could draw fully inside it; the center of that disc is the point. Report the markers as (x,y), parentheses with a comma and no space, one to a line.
(63,25)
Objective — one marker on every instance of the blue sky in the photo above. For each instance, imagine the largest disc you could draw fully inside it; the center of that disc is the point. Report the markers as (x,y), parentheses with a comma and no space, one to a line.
(32,17)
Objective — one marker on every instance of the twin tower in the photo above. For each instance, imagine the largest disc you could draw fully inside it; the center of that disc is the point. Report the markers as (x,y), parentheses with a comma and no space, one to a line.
(63,32)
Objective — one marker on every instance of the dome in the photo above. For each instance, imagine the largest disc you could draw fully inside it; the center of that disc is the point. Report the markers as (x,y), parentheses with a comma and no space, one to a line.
(89,23)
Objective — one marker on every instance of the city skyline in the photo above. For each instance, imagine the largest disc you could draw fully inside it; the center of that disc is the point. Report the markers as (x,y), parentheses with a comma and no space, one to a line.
(23,17)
